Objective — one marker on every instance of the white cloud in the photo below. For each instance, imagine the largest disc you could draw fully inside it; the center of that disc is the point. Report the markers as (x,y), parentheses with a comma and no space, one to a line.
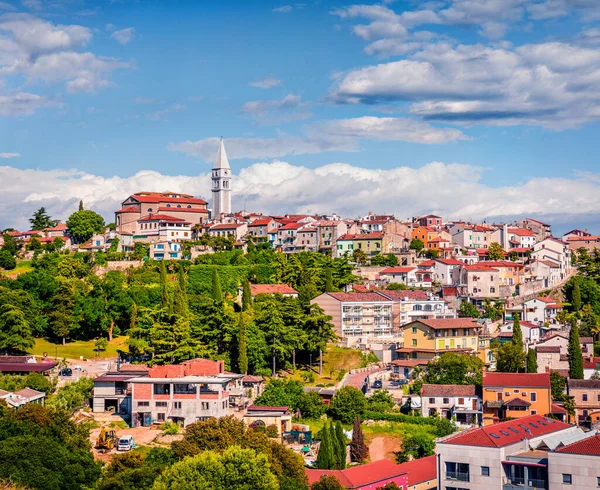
(124,36)
(23,104)
(278,187)
(268,82)
(284,9)
(7,155)
(552,84)
(41,51)
(337,135)
(288,108)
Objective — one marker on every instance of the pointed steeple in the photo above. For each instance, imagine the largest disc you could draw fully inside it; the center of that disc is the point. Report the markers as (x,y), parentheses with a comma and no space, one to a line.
(221,161)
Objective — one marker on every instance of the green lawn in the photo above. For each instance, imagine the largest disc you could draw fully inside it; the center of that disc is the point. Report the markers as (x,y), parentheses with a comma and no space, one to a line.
(334,360)
(73,350)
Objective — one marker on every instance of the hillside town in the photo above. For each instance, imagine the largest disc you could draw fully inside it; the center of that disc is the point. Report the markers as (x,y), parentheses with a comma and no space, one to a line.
(483,333)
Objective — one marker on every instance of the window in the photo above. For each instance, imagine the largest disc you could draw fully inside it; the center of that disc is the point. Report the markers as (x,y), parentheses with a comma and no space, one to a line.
(485,471)
(160,417)
(446,400)
(567,479)
(143,404)
(204,405)
(161,404)
(533,396)
(162,389)
(457,471)
(414,342)
(598,481)
(584,397)
(461,401)
(414,330)
(432,401)
(184,389)
(177,405)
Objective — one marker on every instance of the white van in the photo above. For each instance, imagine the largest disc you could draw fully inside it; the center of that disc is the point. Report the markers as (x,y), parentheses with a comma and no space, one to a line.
(126,443)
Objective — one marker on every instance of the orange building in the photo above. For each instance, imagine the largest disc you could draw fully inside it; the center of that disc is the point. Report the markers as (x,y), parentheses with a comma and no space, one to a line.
(515,395)
(427,235)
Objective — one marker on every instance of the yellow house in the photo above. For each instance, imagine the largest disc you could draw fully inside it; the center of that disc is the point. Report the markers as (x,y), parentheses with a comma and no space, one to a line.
(427,339)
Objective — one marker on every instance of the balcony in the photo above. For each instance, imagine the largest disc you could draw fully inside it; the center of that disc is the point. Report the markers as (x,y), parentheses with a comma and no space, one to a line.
(523,484)
(457,475)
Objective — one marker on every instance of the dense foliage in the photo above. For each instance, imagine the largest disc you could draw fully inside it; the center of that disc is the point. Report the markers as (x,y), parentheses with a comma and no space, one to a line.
(454,369)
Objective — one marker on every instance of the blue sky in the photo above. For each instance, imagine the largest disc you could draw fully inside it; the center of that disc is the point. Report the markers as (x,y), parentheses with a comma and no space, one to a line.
(325,106)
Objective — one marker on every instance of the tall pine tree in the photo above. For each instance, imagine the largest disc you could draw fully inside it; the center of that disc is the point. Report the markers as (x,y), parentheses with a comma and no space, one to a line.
(576,303)
(358,448)
(574,352)
(165,297)
(329,288)
(242,346)
(325,457)
(246,295)
(217,292)
(180,299)
(341,446)
(517,336)
(531,361)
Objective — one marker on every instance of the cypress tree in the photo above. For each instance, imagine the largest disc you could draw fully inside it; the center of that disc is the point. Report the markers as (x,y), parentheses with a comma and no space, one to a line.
(217,293)
(328,280)
(531,361)
(341,440)
(335,446)
(165,297)
(80,205)
(325,457)
(358,448)
(242,346)
(576,296)
(246,295)
(180,300)
(133,321)
(574,352)
(517,336)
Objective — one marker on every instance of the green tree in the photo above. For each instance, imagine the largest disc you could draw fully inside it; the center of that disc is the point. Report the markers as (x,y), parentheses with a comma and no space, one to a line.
(7,261)
(510,358)
(531,361)
(326,454)
(416,445)
(41,219)
(340,446)
(329,287)
(391,260)
(60,319)
(166,302)
(280,393)
(517,336)
(576,296)
(380,401)
(80,205)
(589,321)
(557,386)
(311,405)
(327,482)
(358,449)
(217,293)
(234,469)
(396,286)
(495,251)
(432,253)
(135,470)
(180,297)
(246,295)
(574,352)
(242,346)
(84,224)
(468,310)
(15,330)
(417,245)
(455,369)
(347,404)
(34,244)
(359,256)
(10,244)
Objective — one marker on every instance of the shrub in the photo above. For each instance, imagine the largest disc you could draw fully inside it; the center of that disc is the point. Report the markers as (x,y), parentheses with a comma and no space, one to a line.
(271,431)
(170,428)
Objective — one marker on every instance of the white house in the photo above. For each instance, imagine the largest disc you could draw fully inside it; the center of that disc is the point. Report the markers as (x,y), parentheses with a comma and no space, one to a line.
(521,238)
(404,275)
(443,270)
(448,401)
(540,309)
(531,331)
(554,250)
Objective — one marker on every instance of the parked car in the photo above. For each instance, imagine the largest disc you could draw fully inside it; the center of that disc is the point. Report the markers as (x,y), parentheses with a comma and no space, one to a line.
(377,384)
(66,372)
(126,443)
(398,382)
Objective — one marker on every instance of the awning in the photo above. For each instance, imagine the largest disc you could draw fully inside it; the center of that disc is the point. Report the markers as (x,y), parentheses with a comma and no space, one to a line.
(525,463)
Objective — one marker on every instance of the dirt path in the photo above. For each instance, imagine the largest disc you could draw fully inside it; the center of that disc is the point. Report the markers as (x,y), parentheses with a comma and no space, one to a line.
(384,448)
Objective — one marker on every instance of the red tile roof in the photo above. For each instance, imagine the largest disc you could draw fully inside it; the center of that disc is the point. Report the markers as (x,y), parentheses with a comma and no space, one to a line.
(359,476)
(409,362)
(449,261)
(427,263)
(158,198)
(292,226)
(397,270)
(261,222)
(420,470)
(58,227)
(445,323)
(521,380)
(589,447)
(548,349)
(182,210)
(128,209)
(479,267)
(161,217)
(546,299)
(520,232)
(415,295)
(517,402)
(448,390)
(491,436)
(226,226)
(271,289)
(359,297)
(503,263)
(554,408)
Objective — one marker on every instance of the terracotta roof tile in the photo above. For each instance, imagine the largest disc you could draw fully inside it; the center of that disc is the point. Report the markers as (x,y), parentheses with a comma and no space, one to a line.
(589,446)
(397,270)
(540,380)
(271,289)
(445,323)
(448,390)
(358,297)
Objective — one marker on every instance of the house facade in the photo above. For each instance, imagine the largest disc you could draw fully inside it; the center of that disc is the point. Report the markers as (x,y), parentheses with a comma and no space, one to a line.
(459,402)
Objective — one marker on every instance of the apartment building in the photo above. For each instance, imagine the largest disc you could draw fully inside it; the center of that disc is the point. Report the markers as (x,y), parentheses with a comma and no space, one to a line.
(263,229)
(328,232)
(112,392)
(480,280)
(541,309)
(379,314)
(236,230)
(461,402)
(443,270)
(521,238)
(512,455)
(576,465)
(556,251)
(515,395)
(404,275)
(427,339)
(586,396)
(163,227)
(467,235)
(541,230)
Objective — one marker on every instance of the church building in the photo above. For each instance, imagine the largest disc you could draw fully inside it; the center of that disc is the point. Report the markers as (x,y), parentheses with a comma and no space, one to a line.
(221,184)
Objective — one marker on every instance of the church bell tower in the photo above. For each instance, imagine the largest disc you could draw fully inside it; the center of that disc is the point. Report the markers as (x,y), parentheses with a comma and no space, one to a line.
(221,184)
